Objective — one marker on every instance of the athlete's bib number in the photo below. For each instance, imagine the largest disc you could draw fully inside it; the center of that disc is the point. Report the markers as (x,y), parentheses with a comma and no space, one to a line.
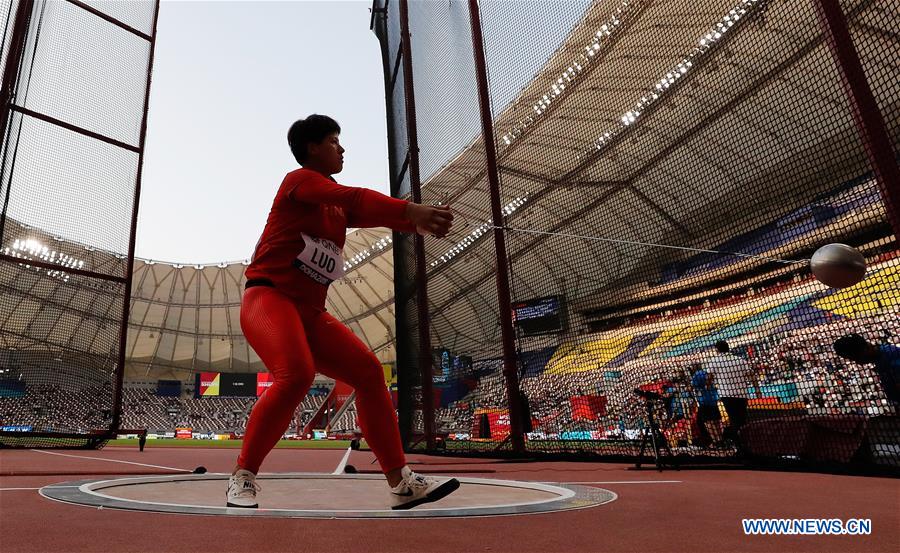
(321,260)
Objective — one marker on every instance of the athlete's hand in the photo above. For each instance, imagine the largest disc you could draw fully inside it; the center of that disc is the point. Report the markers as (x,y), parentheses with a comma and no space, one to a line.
(433,220)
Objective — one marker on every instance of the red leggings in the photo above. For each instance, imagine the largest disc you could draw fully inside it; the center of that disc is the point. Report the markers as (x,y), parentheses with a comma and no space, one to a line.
(294,341)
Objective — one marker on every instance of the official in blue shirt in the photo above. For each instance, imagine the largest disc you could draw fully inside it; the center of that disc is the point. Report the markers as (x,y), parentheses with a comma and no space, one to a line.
(707,403)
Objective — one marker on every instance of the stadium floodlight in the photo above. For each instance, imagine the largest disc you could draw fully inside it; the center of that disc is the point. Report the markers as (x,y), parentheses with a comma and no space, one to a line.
(30,249)
(479,231)
(712,35)
(600,37)
(380,245)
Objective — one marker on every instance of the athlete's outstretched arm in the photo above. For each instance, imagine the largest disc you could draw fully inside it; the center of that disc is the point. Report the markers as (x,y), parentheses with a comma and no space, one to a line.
(423,219)
(355,220)
(366,208)
(368,205)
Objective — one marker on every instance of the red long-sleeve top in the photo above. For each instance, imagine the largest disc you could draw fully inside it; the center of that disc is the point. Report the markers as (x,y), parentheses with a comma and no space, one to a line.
(308,202)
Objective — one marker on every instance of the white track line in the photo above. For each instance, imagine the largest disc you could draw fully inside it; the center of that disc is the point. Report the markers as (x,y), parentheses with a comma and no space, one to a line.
(109,460)
(343,463)
(622,482)
(16,489)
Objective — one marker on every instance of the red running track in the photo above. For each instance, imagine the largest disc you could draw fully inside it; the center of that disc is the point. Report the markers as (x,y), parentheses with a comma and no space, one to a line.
(700,512)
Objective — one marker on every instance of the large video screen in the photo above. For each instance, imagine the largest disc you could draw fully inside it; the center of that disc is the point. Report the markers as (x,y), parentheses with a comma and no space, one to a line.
(11,387)
(232,384)
(238,385)
(540,315)
(442,361)
(207,385)
(168,388)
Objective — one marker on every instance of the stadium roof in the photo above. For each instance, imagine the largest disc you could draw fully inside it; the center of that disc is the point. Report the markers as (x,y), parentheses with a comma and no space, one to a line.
(674,128)
(183,317)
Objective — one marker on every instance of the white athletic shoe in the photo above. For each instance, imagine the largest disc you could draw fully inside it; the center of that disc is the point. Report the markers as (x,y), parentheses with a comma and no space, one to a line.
(416,489)
(242,488)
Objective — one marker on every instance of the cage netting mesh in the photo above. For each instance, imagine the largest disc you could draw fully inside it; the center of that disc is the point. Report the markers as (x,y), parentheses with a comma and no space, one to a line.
(71,151)
(634,140)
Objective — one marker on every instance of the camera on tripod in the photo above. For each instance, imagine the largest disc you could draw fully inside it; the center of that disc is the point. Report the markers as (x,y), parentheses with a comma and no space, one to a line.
(652,434)
(646,394)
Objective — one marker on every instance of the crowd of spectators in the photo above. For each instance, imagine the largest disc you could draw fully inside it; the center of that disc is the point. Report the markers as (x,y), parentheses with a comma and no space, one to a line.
(796,367)
(792,371)
(802,361)
(84,409)
(56,408)
(347,422)
(827,383)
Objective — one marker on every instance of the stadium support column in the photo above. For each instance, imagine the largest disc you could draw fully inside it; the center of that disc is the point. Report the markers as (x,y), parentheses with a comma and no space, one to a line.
(510,370)
(425,358)
(129,267)
(869,120)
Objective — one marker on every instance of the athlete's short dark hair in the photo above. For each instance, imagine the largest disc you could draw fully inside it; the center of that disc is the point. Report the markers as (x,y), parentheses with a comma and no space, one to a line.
(312,129)
(722,346)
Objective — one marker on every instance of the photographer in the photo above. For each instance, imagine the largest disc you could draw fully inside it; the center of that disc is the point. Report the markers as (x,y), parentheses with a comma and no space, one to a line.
(678,407)
(885,359)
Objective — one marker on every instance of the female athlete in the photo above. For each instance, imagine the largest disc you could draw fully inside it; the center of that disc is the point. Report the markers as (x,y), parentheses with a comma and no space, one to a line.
(284,319)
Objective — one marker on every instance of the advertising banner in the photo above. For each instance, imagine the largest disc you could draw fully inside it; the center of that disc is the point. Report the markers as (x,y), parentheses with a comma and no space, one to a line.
(588,407)
(17,428)
(263,381)
(490,424)
(390,375)
(209,384)
(582,435)
(185,433)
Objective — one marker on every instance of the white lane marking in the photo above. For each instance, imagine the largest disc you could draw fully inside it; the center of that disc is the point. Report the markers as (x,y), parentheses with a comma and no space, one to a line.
(49,486)
(343,463)
(623,482)
(109,460)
